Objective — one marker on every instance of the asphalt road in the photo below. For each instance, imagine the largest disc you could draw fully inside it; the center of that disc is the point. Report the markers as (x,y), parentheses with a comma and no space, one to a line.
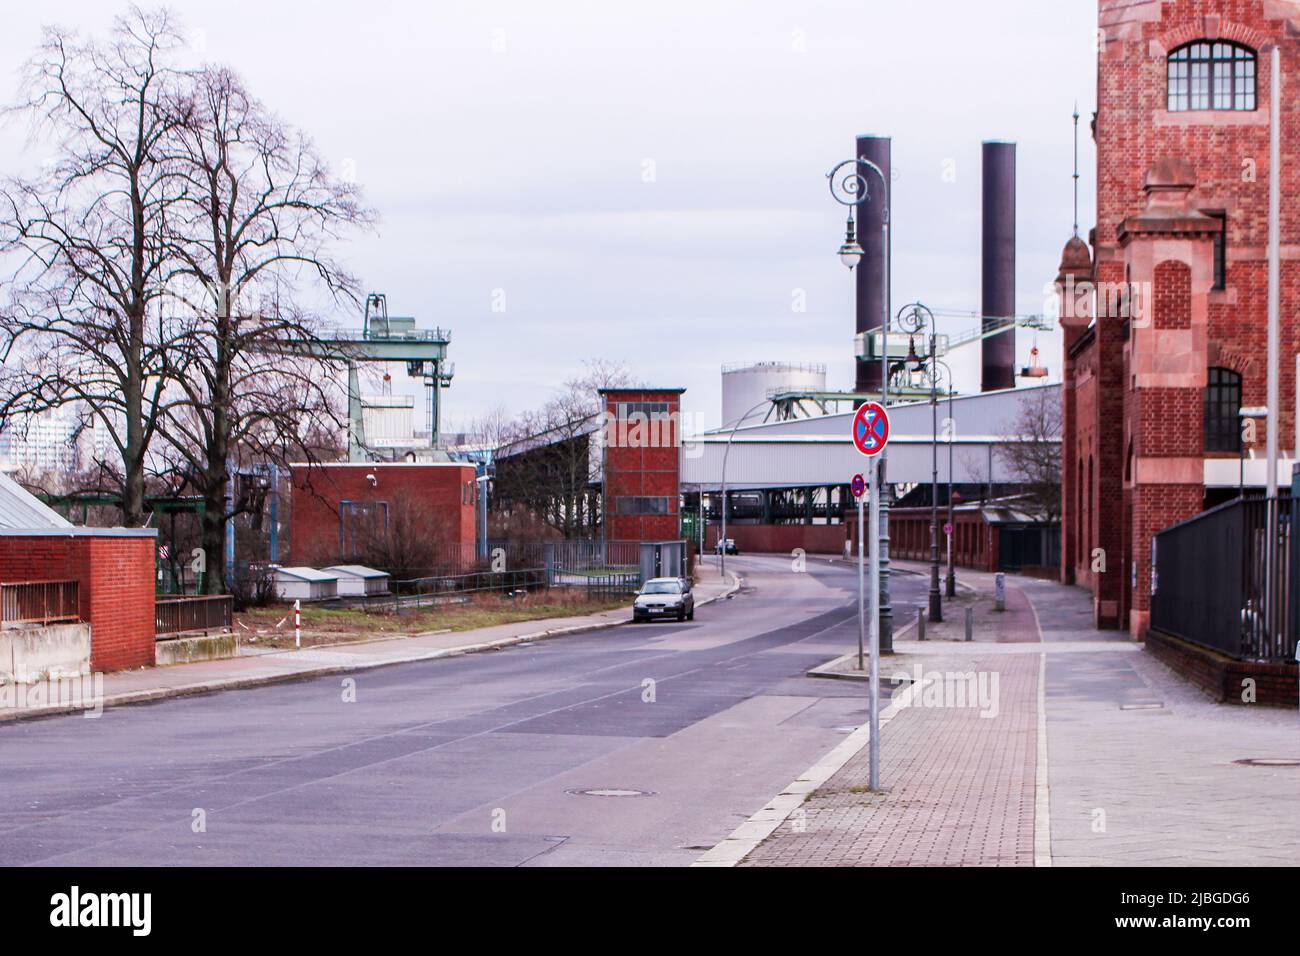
(684,730)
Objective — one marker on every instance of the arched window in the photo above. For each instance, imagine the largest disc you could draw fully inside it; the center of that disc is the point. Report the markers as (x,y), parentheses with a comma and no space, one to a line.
(1222,403)
(1211,75)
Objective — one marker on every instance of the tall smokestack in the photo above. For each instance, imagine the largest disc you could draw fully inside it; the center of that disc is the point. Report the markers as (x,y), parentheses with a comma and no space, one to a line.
(872,274)
(998,353)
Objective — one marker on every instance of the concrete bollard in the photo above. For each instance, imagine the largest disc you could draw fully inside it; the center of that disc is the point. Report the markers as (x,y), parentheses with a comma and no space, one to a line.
(1000,591)
(970,622)
(920,623)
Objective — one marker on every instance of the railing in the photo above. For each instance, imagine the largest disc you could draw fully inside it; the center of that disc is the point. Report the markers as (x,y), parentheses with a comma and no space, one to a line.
(39,602)
(613,585)
(1212,575)
(416,592)
(202,612)
(559,557)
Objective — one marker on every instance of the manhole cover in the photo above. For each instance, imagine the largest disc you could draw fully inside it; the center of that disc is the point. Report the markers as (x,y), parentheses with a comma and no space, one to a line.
(611,792)
(1268,762)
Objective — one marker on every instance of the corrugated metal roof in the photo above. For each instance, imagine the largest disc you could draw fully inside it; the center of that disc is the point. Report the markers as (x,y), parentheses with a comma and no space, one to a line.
(20,510)
(306,574)
(356,571)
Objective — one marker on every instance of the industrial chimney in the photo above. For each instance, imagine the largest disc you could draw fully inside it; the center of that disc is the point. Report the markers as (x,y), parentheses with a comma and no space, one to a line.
(998,353)
(872,274)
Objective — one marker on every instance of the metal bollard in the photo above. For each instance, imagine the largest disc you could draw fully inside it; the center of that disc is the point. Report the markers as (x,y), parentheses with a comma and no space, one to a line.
(920,623)
(970,622)
(1000,591)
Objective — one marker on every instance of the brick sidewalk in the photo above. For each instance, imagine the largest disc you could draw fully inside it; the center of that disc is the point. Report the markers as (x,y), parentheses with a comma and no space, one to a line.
(959,788)
(1141,768)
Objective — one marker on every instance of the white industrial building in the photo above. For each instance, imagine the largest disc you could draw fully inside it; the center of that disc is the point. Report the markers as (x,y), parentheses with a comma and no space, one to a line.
(818,452)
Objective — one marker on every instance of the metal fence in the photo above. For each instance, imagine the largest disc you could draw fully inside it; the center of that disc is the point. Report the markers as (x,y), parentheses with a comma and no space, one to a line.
(563,557)
(1225,579)
(416,592)
(39,602)
(203,612)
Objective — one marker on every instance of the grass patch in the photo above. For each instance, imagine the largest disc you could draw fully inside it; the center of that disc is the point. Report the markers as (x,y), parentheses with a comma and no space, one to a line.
(272,626)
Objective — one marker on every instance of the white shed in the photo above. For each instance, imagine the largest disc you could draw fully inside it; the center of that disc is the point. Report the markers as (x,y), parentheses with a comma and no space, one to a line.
(356,580)
(305,584)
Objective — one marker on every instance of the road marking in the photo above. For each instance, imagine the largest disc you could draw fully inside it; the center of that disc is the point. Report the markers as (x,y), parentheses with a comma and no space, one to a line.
(1042,790)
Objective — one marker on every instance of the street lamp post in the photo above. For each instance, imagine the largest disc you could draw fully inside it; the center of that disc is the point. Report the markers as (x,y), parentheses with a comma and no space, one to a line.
(848,185)
(950,586)
(726,453)
(915,319)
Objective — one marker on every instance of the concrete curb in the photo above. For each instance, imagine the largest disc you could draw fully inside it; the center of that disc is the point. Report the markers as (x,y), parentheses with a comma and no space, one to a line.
(745,838)
(827,671)
(325,670)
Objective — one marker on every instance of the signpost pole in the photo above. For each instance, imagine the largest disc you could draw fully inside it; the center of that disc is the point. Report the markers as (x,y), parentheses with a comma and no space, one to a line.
(873,678)
(861,586)
(870,432)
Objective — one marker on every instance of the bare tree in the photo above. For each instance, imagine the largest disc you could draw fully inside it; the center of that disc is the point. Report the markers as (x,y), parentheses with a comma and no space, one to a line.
(1033,457)
(408,542)
(257,215)
(551,464)
(84,241)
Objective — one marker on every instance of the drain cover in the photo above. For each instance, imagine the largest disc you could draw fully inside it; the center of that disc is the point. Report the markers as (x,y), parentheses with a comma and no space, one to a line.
(1268,762)
(611,792)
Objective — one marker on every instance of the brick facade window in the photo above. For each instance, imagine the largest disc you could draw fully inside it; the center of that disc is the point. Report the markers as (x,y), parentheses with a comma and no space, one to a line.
(360,521)
(1211,76)
(1222,403)
(641,505)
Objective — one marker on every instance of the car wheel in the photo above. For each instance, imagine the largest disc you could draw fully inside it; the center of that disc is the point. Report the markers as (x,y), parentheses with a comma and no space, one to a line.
(690,616)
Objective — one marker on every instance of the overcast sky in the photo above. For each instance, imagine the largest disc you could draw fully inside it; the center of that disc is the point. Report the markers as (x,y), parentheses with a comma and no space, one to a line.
(644,182)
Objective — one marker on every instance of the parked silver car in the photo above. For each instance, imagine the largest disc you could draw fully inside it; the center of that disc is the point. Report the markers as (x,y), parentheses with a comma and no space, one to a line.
(664,597)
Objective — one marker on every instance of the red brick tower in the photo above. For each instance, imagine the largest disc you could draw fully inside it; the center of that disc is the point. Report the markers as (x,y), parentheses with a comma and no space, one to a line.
(642,464)
(1179,274)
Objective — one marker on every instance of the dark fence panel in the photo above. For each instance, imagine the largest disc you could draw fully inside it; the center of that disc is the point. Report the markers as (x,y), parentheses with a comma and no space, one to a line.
(39,602)
(1211,580)
(203,612)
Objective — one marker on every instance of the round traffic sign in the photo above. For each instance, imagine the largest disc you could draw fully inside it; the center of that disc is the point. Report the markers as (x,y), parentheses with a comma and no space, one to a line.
(947,528)
(858,486)
(871,428)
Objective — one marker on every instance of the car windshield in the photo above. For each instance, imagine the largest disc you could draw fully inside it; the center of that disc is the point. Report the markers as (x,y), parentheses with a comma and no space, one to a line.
(662,587)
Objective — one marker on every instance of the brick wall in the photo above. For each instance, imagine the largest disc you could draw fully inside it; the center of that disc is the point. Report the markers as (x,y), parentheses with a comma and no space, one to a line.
(443,494)
(782,538)
(115,575)
(1224,678)
(975,543)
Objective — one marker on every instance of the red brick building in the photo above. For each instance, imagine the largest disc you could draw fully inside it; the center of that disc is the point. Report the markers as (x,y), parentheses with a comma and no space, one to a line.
(641,465)
(336,505)
(1165,309)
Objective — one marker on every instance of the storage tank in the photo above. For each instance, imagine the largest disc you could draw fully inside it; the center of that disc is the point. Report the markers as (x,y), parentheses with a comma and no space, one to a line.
(746,385)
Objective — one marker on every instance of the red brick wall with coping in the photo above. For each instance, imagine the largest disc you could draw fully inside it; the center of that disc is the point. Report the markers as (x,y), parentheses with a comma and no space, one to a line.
(114,569)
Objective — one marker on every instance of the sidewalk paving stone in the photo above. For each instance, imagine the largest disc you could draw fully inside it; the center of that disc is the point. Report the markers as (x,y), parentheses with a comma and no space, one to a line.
(1140,765)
